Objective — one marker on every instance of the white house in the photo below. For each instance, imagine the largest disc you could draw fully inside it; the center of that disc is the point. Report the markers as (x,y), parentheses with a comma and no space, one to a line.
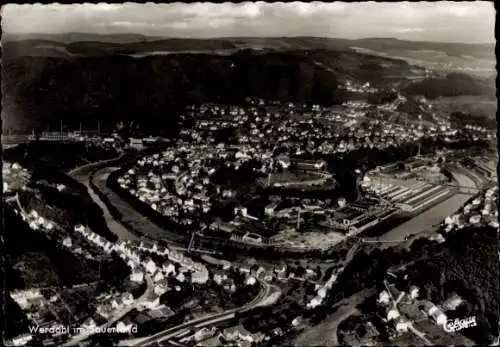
(414,292)
(297,321)
(322,292)
(67,242)
(250,281)
(137,276)
(439,317)
(160,289)
(21,340)
(281,271)
(341,202)
(131,264)
(200,277)
(383,298)
(316,301)
(218,278)
(204,334)
(79,228)
(393,315)
(158,277)
(150,266)
(402,326)
(127,298)
(152,304)
(431,308)
(475,219)
(181,278)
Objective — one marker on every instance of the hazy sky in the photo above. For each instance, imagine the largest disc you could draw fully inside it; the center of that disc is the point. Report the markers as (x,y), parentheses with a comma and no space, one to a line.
(471,22)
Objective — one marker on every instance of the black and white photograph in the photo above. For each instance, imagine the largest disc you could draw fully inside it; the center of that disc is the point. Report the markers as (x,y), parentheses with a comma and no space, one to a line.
(250,174)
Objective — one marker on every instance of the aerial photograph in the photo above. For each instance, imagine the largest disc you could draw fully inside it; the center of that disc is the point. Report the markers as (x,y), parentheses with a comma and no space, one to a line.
(250,174)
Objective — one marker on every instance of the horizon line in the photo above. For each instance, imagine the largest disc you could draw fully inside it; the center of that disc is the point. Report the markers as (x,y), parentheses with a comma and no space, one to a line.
(164,37)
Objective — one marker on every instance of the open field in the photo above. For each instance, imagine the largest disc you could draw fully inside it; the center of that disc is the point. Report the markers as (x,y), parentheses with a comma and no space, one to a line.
(318,240)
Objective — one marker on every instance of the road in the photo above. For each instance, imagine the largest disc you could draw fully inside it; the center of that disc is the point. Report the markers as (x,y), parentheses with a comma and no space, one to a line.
(420,334)
(201,322)
(84,170)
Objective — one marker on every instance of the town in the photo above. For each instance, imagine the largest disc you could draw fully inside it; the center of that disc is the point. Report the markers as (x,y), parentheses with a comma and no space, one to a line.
(282,177)
(189,186)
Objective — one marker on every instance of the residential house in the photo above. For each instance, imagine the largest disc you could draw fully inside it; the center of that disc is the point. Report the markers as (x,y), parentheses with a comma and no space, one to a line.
(124,327)
(205,333)
(401,326)
(137,276)
(280,271)
(297,321)
(383,298)
(393,314)
(89,324)
(20,340)
(414,292)
(161,287)
(200,277)
(250,281)
(219,277)
(269,209)
(67,242)
(105,310)
(245,269)
(153,303)
(181,278)
(316,301)
(158,276)
(150,266)
(117,302)
(127,298)
(439,317)
(240,333)
(80,228)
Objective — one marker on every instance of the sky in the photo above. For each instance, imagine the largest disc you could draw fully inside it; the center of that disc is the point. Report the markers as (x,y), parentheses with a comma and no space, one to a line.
(443,21)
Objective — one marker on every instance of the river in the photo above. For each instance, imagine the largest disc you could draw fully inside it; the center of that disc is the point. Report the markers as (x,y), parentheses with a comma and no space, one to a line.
(115,227)
(435,215)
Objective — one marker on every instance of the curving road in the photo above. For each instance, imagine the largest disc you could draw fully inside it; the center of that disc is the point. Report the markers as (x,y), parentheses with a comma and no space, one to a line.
(198,323)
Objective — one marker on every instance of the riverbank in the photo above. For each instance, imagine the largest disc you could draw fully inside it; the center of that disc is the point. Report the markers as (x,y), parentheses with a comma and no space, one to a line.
(428,219)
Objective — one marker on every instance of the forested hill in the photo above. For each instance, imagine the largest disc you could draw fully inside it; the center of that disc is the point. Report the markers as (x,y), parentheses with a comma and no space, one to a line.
(154,89)
(453,84)
(40,91)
